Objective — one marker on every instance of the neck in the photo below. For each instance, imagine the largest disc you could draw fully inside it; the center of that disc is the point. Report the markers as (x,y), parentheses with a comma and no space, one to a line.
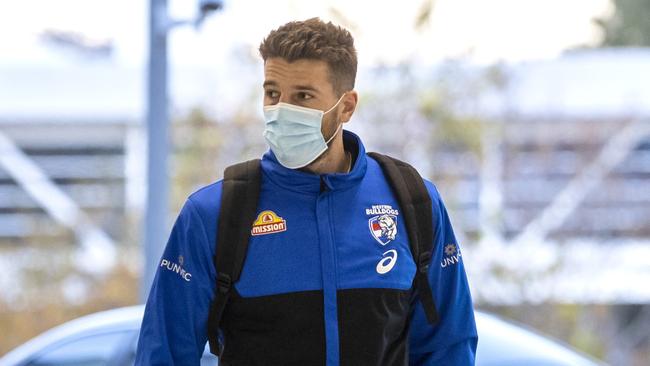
(333,160)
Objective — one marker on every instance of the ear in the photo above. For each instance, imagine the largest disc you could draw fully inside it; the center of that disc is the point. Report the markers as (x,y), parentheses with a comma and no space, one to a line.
(349,102)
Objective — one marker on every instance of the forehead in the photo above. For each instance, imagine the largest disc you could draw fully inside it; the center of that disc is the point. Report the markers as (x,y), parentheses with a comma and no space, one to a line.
(299,72)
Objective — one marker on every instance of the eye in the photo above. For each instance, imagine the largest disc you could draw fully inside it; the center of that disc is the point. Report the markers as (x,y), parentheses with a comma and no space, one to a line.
(304,96)
(273,94)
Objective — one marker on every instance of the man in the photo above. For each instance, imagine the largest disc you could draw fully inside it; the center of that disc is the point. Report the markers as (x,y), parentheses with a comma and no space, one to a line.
(328,275)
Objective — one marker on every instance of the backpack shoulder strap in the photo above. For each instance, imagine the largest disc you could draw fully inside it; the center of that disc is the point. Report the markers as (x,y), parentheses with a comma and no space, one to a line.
(415,202)
(239,196)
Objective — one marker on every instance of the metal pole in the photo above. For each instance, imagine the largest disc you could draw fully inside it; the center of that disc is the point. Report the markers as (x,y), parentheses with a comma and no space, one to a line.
(155,215)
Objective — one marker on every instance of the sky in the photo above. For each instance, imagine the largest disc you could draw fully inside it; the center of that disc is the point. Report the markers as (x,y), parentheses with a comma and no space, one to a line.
(485,31)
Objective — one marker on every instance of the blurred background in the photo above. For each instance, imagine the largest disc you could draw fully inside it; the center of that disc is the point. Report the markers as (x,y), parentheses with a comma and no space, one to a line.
(532,117)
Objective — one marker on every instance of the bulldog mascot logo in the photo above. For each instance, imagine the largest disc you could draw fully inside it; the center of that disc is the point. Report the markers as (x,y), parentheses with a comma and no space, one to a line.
(383,228)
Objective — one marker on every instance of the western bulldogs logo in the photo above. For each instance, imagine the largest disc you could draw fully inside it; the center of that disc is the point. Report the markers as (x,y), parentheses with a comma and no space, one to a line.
(383,228)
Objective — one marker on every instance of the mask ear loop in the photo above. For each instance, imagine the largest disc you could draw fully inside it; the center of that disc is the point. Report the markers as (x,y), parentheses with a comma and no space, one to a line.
(340,124)
(335,133)
(337,103)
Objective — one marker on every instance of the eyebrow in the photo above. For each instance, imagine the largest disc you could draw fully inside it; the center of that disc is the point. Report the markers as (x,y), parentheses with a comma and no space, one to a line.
(306,87)
(298,87)
(269,83)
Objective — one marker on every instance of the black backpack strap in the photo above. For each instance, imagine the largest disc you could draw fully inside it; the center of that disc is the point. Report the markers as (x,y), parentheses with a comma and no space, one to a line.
(415,202)
(239,196)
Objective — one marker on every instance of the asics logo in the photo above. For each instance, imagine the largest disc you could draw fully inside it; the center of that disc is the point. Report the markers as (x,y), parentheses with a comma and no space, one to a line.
(387,262)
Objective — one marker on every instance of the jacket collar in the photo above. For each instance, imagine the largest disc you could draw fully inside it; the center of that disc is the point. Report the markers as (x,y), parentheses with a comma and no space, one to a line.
(296,180)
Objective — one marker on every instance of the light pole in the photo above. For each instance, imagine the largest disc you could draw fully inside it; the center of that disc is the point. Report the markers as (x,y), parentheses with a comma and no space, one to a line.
(157,202)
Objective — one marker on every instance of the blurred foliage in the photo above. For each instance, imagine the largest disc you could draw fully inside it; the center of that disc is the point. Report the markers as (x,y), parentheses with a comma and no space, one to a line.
(576,324)
(629,25)
(204,146)
(53,292)
(591,328)
(197,142)
(424,15)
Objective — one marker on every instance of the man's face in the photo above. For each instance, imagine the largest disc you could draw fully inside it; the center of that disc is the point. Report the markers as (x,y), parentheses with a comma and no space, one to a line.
(304,83)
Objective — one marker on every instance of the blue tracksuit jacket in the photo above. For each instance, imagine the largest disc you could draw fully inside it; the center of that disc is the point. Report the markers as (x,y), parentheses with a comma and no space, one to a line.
(327,279)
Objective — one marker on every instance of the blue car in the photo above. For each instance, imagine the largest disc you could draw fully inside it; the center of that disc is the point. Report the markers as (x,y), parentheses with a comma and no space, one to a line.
(109,338)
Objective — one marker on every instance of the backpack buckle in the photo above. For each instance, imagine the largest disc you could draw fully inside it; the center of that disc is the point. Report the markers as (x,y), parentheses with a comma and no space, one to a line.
(224,283)
(423,262)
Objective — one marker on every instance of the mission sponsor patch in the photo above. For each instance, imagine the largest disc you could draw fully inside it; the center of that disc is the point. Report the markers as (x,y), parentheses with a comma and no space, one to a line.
(268,222)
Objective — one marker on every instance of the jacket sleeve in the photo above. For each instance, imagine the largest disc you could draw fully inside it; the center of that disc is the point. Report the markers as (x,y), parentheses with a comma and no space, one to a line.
(174,330)
(453,340)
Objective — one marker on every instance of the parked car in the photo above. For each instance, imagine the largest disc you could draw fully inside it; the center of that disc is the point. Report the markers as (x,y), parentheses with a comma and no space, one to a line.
(109,338)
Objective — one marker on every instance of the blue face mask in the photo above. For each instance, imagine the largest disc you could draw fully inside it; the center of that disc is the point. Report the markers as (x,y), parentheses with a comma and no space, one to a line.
(294,133)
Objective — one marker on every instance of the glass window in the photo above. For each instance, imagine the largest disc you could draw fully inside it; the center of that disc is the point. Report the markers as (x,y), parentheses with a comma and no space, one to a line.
(208,359)
(91,350)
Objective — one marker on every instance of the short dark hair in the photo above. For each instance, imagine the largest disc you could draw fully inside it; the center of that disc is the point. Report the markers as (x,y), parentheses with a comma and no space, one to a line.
(317,40)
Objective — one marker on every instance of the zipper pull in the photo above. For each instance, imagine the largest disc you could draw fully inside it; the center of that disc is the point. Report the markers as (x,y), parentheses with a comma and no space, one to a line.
(323,185)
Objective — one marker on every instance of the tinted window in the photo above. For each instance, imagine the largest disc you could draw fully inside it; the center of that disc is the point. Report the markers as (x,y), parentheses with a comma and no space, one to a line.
(91,350)
(208,359)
